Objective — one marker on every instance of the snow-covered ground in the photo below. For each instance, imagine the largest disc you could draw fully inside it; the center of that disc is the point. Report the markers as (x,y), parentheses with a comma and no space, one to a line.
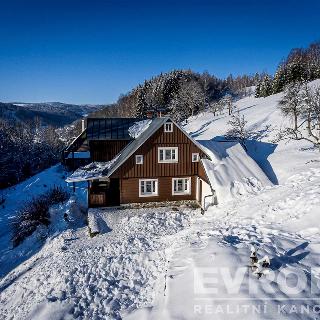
(96,278)
(174,263)
(15,197)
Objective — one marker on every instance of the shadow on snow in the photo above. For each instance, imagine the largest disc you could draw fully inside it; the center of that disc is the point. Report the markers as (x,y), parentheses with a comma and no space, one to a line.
(288,257)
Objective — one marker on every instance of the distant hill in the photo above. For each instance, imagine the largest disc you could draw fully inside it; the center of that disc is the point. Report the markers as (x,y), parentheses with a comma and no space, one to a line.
(49,113)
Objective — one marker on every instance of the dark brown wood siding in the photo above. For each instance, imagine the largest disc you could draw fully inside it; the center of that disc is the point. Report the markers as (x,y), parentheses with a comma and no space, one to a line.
(151,168)
(106,150)
(129,192)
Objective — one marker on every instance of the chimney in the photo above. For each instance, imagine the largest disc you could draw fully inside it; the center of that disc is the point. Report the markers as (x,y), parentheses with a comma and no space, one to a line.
(82,125)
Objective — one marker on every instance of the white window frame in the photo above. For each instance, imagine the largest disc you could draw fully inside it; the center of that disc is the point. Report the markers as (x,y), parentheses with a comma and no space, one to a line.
(185,192)
(139,156)
(197,157)
(164,149)
(150,194)
(170,129)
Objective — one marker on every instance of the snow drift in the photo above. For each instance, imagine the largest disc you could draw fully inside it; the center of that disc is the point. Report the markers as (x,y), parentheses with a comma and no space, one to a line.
(232,172)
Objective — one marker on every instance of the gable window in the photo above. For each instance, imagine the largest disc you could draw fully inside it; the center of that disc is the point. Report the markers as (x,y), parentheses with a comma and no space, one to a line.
(139,159)
(195,157)
(168,154)
(168,127)
(181,186)
(148,187)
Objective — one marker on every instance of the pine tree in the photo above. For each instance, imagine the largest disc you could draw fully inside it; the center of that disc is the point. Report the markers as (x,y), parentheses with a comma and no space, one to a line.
(296,71)
(266,87)
(279,80)
(258,90)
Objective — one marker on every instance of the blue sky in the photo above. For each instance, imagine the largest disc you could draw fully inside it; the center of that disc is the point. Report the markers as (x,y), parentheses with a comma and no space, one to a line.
(92,51)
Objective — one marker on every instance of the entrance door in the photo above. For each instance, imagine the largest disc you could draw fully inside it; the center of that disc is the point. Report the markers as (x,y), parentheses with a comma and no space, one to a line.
(113,193)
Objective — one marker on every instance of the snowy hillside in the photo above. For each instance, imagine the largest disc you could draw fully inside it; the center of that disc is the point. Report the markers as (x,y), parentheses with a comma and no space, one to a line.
(156,263)
(264,119)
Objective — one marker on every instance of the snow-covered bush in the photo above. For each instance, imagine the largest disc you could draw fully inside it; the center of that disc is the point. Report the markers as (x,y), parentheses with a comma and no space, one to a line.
(35,213)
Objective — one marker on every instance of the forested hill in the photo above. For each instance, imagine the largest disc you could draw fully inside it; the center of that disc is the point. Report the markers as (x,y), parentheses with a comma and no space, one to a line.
(33,135)
(181,93)
(30,142)
(49,113)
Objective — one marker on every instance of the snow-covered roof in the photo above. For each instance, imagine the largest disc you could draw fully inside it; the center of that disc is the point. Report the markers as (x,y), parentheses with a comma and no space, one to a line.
(138,128)
(144,131)
(92,171)
(232,171)
(142,138)
(135,144)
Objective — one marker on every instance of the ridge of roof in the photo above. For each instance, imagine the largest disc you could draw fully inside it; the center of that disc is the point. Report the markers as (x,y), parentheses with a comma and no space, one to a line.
(115,118)
(199,145)
(138,142)
(124,154)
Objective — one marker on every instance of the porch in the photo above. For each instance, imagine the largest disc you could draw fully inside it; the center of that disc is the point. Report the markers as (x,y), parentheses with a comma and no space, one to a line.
(104,193)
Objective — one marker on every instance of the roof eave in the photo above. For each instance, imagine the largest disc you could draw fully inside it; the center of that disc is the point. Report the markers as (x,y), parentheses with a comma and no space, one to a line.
(193,140)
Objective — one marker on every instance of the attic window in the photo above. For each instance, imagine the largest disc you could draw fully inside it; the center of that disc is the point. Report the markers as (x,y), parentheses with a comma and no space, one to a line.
(195,157)
(167,155)
(168,127)
(139,159)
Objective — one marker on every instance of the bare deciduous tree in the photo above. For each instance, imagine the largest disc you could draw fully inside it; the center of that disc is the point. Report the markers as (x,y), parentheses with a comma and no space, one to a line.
(189,100)
(306,118)
(290,104)
(215,107)
(229,104)
(238,129)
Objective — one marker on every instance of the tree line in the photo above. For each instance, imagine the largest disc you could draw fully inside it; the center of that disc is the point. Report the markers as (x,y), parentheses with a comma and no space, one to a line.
(302,64)
(180,93)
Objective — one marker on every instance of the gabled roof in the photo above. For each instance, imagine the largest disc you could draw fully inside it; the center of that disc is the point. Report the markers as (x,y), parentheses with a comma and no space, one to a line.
(133,146)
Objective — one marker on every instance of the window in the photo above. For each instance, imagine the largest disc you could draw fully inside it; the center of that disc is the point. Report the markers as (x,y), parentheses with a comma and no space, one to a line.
(195,157)
(148,188)
(168,127)
(139,159)
(168,155)
(181,186)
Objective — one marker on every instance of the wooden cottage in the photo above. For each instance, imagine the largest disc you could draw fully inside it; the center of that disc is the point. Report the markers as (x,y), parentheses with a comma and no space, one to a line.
(136,161)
